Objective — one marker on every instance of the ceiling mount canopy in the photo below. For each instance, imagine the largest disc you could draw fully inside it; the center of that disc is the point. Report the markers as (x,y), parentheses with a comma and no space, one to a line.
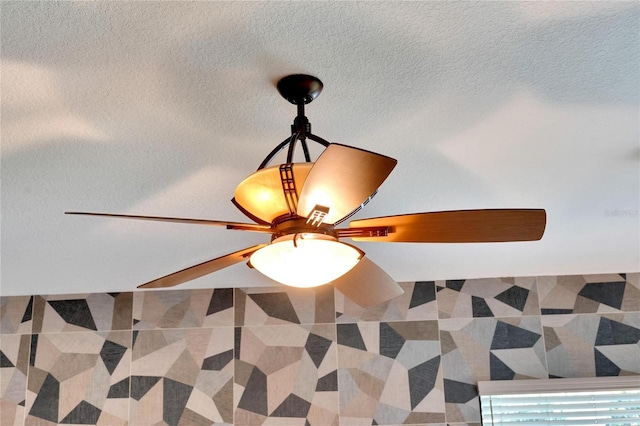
(299,89)
(301,204)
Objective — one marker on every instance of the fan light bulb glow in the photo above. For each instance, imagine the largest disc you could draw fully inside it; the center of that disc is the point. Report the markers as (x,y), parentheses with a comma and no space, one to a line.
(309,261)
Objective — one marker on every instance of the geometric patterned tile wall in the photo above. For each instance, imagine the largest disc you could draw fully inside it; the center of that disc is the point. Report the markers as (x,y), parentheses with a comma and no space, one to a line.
(282,356)
(182,376)
(182,309)
(583,294)
(390,373)
(284,305)
(79,378)
(14,363)
(286,374)
(593,345)
(417,303)
(477,349)
(492,297)
(16,313)
(82,312)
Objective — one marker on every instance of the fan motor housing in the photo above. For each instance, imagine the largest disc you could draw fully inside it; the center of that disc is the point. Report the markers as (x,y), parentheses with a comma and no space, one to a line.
(299,225)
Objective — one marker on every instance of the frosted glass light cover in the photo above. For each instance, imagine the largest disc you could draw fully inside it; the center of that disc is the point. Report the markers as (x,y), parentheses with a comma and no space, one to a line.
(313,260)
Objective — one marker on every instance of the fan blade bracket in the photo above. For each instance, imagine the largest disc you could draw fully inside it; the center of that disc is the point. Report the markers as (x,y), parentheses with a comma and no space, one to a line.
(289,186)
(317,215)
(357,209)
(364,232)
(248,227)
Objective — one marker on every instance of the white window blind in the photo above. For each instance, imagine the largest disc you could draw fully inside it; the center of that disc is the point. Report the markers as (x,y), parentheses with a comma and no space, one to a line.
(575,402)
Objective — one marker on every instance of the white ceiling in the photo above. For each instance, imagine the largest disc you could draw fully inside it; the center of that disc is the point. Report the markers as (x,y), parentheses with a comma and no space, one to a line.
(163,108)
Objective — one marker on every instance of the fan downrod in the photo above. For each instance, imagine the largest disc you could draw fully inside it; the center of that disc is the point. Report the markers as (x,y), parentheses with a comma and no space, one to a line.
(299,89)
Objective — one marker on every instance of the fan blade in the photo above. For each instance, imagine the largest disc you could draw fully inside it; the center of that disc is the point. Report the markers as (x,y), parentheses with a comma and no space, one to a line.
(461,226)
(201,269)
(367,284)
(229,225)
(342,179)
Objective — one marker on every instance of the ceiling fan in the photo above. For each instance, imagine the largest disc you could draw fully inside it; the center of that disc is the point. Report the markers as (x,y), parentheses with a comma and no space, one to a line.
(301,204)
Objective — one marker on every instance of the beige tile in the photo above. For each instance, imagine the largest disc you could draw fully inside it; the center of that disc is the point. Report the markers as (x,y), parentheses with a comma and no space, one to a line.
(16,314)
(487,297)
(601,293)
(13,377)
(76,375)
(82,312)
(283,375)
(417,303)
(165,309)
(182,376)
(389,372)
(284,305)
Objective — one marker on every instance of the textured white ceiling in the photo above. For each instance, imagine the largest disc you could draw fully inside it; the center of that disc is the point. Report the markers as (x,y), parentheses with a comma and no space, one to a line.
(163,108)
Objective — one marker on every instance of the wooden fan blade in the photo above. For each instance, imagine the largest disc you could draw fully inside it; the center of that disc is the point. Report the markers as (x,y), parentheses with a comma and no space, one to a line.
(229,225)
(460,226)
(201,269)
(342,179)
(367,284)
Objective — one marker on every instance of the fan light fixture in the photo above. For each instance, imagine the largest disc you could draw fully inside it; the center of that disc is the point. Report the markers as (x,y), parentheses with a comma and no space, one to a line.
(302,204)
(305,260)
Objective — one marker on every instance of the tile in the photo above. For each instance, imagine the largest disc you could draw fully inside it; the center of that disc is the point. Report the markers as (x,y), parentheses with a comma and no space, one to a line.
(16,314)
(79,378)
(284,305)
(417,303)
(182,376)
(286,375)
(581,294)
(487,297)
(475,349)
(14,363)
(182,308)
(592,345)
(390,373)
(82,312)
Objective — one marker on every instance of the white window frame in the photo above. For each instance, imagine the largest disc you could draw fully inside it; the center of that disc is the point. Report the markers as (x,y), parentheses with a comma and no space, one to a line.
(550,393)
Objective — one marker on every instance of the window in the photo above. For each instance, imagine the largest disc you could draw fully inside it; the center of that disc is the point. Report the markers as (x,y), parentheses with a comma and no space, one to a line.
(575,402)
